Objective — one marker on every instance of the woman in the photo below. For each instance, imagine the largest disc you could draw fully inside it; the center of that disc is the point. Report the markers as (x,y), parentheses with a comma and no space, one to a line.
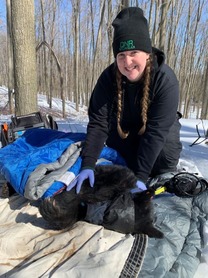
(133,107)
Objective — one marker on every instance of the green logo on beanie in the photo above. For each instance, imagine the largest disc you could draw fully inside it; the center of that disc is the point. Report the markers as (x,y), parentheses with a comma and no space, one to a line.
(126,45)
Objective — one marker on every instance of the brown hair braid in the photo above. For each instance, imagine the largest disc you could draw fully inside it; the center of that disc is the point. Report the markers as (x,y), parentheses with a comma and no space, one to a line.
(144,100)
(121,133)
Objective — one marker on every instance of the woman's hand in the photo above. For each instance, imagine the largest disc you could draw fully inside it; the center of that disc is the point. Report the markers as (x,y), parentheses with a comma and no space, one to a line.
(140,186)
(78,181)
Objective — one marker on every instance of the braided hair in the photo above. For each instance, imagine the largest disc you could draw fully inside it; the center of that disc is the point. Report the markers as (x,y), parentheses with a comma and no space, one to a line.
(144,101)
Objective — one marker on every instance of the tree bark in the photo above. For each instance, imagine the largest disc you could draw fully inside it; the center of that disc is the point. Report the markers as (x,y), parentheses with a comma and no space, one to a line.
(10,59)
(25,75)
(162,25)
(204,112)
(76,10)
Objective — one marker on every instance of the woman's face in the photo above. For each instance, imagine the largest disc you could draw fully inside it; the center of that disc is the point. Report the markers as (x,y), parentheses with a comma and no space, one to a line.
(132,63)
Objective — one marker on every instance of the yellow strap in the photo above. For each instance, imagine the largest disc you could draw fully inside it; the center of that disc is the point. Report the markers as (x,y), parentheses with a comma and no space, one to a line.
(160,190)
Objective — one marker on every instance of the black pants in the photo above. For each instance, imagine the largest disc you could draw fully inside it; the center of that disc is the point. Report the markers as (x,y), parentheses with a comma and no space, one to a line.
(169,156)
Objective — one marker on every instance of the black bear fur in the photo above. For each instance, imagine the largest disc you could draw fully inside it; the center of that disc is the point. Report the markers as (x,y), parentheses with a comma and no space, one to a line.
(63,210)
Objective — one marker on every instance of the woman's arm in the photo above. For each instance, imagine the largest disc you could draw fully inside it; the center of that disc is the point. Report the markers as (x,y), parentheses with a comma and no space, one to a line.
(161,116)
(97,129)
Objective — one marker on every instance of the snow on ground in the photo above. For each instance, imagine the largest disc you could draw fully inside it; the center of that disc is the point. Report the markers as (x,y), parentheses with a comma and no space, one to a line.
(197,154)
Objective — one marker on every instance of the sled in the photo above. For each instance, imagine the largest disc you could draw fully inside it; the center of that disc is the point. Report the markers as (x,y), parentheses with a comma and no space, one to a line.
(203,137)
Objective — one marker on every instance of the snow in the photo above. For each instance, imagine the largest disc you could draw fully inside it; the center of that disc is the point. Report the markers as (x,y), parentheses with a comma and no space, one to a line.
(196,155)
(194,159)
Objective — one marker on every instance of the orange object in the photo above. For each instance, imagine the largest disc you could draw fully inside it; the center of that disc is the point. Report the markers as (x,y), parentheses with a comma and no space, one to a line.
(5,127)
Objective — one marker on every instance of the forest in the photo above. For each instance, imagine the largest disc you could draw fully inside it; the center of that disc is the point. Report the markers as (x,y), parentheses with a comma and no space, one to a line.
(60,47)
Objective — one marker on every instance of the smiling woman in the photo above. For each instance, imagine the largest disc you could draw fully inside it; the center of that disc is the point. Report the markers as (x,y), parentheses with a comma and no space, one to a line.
(132,64)
(133,107)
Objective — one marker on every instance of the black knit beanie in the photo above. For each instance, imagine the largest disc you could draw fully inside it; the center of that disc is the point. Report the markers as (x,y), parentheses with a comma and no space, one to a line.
(131,31)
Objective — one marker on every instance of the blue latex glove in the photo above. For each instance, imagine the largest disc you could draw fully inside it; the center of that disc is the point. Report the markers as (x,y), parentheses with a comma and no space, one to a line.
(140,186)
(83,175)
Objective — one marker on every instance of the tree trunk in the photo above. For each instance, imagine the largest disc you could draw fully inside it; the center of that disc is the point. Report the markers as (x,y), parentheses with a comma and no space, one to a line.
(99,38)
(204,112)
(25,76)
(10,59)
(76,9)
(51,67)
(162,28)
(188,95)
(45,77)
(154,28)
(110,32)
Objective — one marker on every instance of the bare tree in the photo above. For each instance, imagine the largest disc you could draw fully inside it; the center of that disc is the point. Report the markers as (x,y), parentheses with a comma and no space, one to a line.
(52,38)
(172,47)
(76,11)
(45,73)
(155,24)
(204,112)
(110,31)
(188,93)
(163,21)
(150,15)
(98,40)
(10,58)
(59,70)
(25,75)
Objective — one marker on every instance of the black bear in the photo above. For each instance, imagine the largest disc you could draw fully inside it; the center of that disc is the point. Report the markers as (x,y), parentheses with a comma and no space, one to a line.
(112,183)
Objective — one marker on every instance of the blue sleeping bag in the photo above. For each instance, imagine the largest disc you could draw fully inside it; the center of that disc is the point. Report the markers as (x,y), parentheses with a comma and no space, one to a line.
(35,151)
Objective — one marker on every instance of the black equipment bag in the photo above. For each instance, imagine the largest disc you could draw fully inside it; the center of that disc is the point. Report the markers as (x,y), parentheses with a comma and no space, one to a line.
(19,124)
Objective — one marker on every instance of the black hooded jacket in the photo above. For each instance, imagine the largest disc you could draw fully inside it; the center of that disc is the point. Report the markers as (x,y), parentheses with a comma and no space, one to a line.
(140,152)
